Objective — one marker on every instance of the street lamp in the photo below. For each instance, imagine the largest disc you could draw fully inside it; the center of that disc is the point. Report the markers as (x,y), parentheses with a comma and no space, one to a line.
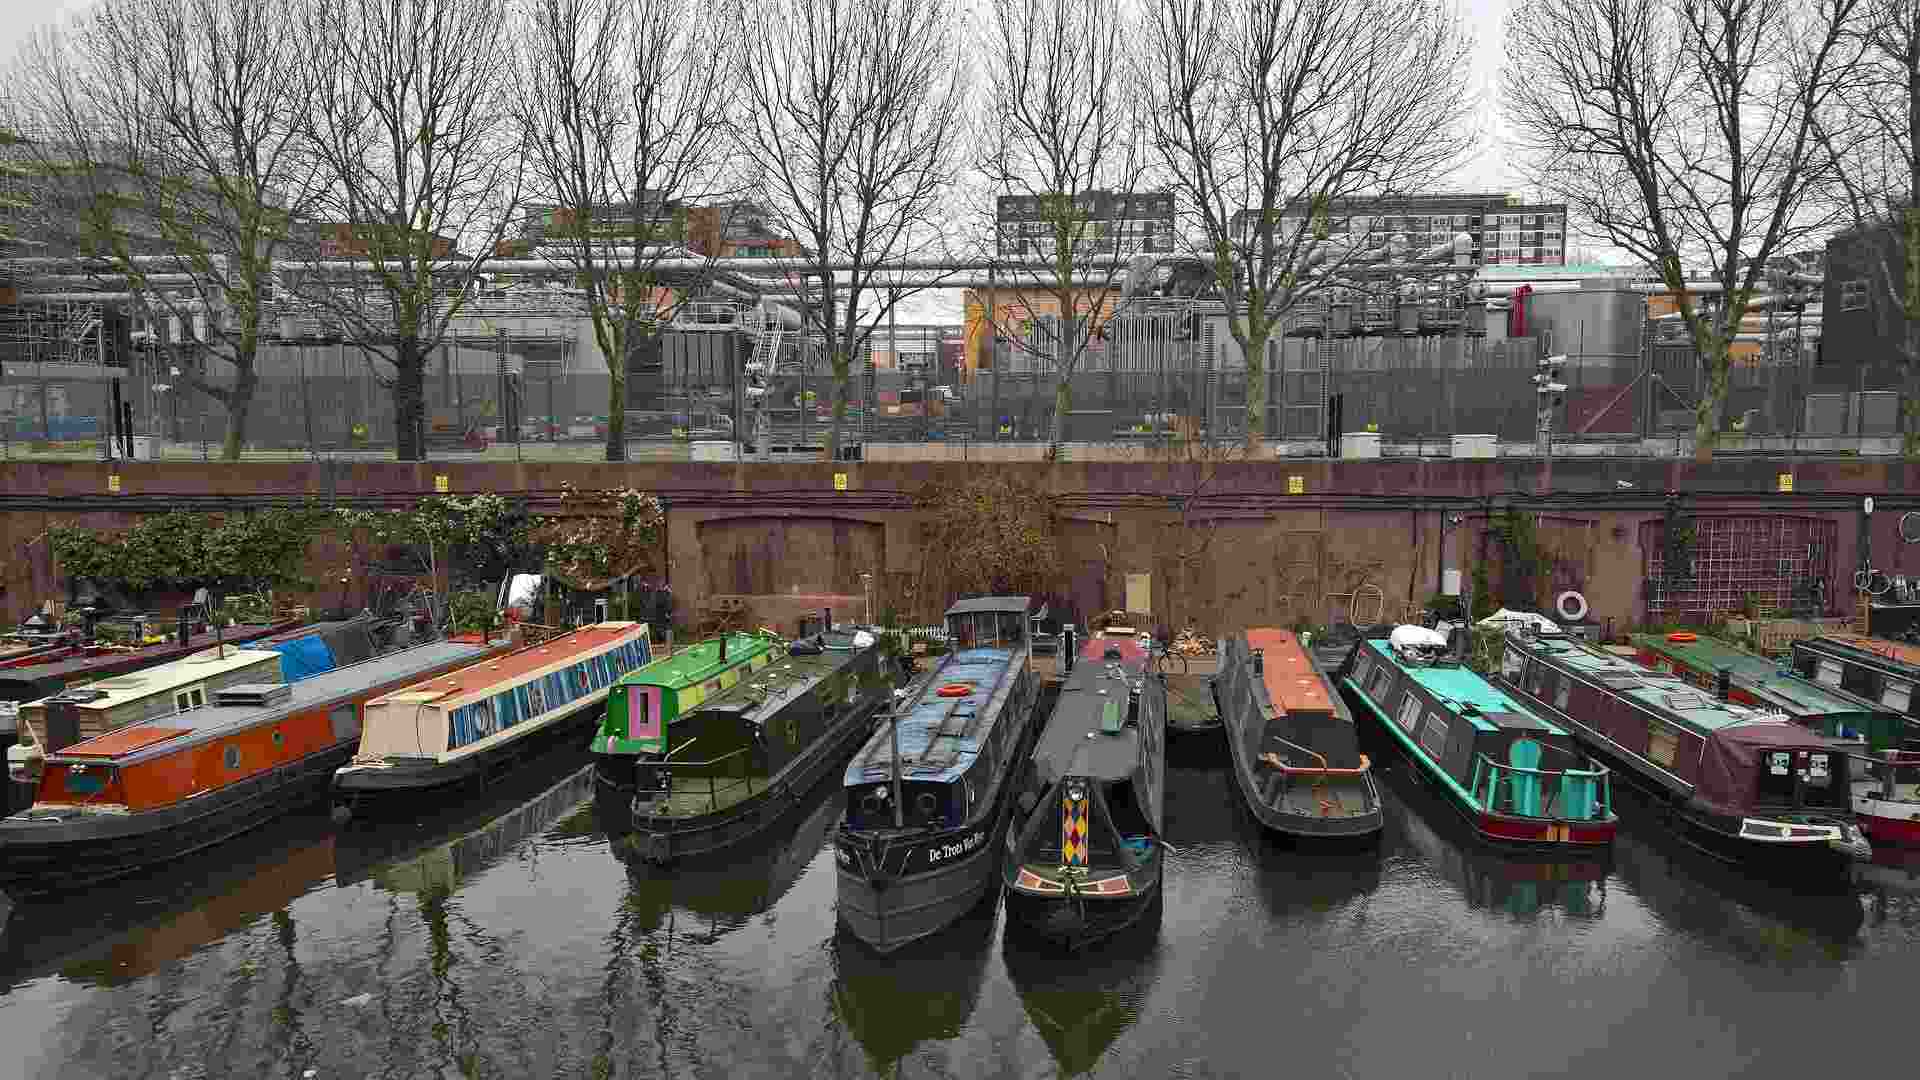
(1548,387)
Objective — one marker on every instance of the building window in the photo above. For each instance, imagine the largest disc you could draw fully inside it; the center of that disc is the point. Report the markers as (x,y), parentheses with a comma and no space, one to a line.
(1898,696)
(1853,295)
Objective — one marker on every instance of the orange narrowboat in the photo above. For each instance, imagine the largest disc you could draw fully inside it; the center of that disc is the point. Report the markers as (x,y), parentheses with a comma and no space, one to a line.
(161,787)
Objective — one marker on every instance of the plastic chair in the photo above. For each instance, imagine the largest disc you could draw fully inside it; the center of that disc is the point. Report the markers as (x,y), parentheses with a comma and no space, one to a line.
(1525,754)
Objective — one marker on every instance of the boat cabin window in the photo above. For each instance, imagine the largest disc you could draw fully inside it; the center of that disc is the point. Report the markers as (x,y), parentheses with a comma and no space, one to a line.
(1898,695)
(1561,694)
(1801,778)
(1434,736)
(1360,669)
(987,630)
(1512,662)
(1828,673)
(1382,682)
(189,699)
(1540,680)
(1409,710)
(1662,744)
(870,806)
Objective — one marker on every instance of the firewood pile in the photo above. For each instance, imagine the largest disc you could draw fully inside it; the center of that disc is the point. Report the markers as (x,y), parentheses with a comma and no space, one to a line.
(1190,643)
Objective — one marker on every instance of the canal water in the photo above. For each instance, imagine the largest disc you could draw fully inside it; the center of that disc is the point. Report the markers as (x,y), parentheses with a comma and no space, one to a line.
(505,939)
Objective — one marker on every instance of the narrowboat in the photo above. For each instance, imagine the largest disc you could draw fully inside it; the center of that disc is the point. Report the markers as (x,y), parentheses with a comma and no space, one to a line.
(43,675)
(1736,675)
(928,795)
(1296,754)
(741,759)
(1870,669)
(471,725)
(646,701)
(1085,858)
(1745,785)
(1517,778)
(162,786)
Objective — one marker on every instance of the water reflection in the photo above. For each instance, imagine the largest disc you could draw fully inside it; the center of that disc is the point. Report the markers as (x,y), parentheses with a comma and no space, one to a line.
(1081,1002)
(927,991)
(1517,882)
(119,933)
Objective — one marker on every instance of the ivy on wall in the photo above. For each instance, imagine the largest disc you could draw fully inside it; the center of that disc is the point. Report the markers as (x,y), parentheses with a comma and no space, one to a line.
(263,549)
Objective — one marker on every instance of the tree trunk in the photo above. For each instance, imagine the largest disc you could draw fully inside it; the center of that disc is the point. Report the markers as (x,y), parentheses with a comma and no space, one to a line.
(1062,401)
(1716,365)
(239,401)
(1910,404)
(409,401)
(617,410)
(841,365)
(1255,349)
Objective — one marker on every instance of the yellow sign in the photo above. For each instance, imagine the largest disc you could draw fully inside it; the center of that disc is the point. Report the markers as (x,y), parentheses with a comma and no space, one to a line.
(1296,485)
(113,483)
(839,481)
(1786,481)
(440,484)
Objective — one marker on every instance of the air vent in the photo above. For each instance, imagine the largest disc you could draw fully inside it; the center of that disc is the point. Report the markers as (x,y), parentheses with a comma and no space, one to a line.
(79,696)
(254,695)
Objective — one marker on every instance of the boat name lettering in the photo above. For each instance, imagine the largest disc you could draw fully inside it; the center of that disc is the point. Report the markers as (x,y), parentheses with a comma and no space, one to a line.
(963,846)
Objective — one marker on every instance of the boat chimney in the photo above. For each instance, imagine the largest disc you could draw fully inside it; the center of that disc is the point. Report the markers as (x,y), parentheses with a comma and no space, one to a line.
(1067,648)
(1259,661)
(723,648)
(1724,684)
(826,620)
(893,767)
(184,628)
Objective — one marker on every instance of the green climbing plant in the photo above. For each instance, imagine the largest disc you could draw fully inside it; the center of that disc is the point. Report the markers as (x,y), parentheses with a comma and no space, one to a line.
(263,549)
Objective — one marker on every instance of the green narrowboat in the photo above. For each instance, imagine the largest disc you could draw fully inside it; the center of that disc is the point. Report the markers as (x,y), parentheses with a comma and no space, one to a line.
(1756,681)
(643,705)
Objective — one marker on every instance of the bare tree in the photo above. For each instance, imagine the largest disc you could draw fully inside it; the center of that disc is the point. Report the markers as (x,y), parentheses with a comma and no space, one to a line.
(1066,155)
(621,109)
(1683,130)
(172,129)
(850,140)
(1270,114)
(410,128)
(1873,133)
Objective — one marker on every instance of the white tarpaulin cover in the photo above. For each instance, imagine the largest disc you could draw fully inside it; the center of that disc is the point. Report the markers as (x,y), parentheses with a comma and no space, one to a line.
(1507,617)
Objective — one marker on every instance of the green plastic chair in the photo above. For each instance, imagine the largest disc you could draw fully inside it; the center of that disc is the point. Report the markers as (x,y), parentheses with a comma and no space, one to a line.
(1578,794)
(1524,754)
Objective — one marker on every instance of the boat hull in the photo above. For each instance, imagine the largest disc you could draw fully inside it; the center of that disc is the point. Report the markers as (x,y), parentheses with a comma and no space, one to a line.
(375,791)
(1350,828)
(43,856)
(1077,924)
(662,840)
(1884,828)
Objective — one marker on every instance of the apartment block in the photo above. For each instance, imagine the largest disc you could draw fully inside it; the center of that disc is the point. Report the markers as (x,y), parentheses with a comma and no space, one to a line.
(1506,231)
(1107,223)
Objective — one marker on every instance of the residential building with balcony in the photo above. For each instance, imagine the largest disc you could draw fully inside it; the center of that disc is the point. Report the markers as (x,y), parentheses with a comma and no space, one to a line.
(1505,230)
(1109,223)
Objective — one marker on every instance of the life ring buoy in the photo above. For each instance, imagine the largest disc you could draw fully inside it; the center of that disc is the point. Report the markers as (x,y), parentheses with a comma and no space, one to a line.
(955,689)
(1683,636)
(1571,605)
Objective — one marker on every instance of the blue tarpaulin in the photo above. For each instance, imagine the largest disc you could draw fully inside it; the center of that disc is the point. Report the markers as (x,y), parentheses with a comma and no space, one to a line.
(304,657)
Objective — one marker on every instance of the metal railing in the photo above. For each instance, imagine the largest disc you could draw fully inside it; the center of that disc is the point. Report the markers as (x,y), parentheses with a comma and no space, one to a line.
(1503,789)
(714,788)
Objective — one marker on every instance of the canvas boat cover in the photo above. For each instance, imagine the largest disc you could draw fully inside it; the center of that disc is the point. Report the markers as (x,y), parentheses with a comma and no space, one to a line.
(1731,761)
(304,657)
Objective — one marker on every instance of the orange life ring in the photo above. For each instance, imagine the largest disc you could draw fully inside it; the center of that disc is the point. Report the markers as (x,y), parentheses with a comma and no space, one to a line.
(955,689)
(1683,636)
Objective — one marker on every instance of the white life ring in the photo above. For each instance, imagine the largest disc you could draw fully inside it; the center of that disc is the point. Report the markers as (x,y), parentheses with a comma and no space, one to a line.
(1574,611)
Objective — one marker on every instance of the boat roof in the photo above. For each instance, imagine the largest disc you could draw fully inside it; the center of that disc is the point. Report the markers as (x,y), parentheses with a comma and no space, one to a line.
(1457,685)
(1668,695)
(696,663)
(958,725)
(1293,685)
(1074,742)
(1880,649)
(501,671)
(765,692)
(215,721)
(206,664)
(1763,677)
(73,669)
(1016,604)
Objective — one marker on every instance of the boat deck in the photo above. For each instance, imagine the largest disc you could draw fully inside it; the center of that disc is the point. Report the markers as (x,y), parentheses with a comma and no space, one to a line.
(165,734)
(1664,694)
(503,670)
(1190,702)
(1753,673)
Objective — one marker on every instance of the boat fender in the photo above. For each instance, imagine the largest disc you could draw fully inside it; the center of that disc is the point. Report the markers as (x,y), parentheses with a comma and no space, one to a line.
(1572,606)
(1683,636)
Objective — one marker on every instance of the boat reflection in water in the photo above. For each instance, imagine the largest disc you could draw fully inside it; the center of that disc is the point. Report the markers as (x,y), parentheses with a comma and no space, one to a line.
(117,934)
(731,888)
(442,849)
(1083,1004)
(1520,882)
(923,992)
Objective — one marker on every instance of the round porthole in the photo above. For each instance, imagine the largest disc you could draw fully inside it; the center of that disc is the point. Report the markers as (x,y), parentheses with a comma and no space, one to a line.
(279,740)
(233,757)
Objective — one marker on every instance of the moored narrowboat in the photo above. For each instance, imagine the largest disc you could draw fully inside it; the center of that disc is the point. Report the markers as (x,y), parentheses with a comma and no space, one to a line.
(646,701)
(1296,754)
(1736,675)
(1085,854)
(476,723)
(1516,777)
(1744,784)
(1873,670)
(47,674)
(170,784)
(743,758)
(928,795)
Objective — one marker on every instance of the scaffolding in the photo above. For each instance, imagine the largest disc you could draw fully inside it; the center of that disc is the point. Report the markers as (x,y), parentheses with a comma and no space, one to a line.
(1715,567)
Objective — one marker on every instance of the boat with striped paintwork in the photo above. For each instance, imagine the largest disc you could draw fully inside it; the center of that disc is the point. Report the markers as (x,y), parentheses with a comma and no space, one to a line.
(478,722)
(645,703)
(928,796)
(172,784)
(1295,750)
(1515,776)
(1085,857)
(1742,784)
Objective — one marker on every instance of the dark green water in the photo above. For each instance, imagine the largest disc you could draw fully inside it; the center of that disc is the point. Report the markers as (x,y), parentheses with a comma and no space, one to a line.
(506,940)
